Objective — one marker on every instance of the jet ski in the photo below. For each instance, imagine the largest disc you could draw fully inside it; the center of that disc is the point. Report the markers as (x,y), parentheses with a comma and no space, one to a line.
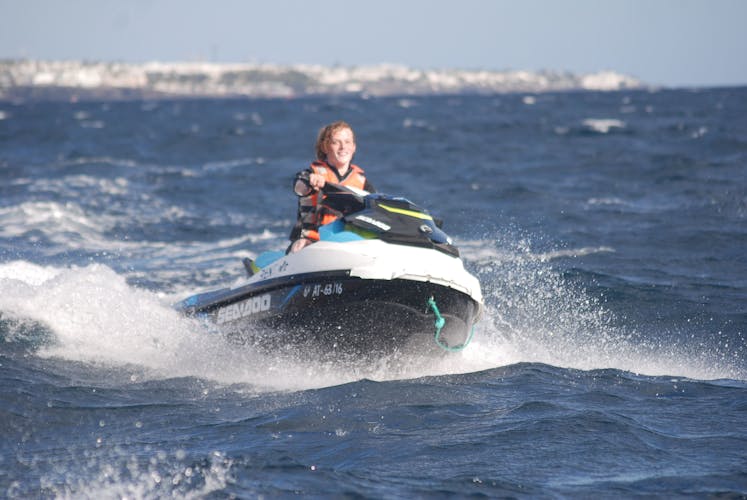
(382,277)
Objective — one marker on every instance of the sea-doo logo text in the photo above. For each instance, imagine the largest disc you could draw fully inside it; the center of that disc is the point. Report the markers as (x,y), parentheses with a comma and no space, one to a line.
(243,309)
(374,222)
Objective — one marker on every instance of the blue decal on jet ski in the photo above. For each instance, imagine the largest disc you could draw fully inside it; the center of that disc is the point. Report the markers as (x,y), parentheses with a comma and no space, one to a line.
(290,295)
(266,258)
(335,231)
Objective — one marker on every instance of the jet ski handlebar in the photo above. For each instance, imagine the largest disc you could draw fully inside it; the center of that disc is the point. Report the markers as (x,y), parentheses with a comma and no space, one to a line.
(333,187)
(343,199)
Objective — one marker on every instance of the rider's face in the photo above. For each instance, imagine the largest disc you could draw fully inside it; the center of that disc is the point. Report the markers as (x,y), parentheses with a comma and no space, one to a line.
(340,148)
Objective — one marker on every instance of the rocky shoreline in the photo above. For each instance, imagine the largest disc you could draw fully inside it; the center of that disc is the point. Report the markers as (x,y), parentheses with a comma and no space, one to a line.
(74,80)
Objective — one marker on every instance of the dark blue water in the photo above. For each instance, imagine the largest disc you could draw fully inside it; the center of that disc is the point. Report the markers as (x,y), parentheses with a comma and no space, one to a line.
(608,230)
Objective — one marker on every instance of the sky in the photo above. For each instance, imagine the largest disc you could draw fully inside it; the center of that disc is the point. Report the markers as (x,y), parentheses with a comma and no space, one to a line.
(676,43)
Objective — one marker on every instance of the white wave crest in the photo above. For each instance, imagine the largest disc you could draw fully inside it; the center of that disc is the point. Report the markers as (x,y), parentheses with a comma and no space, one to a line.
(96,317)
(532,315)
(65,223)
(603,125)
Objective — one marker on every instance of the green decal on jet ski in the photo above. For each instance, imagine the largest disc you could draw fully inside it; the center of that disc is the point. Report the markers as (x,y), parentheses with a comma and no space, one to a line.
(411,213)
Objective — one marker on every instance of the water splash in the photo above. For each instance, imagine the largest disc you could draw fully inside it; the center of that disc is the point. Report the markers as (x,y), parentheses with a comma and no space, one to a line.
(535,314)
(532,315)
(96,317)
(112,473)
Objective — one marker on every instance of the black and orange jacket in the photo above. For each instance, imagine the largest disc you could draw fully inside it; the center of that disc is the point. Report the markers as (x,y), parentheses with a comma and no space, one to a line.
(309,216)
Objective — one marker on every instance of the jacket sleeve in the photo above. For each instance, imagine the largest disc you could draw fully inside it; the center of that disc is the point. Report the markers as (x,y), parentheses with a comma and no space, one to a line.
(301,185)
(305,216)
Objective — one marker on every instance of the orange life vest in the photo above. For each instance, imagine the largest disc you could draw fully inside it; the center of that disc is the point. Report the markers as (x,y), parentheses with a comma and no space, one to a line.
(355,178)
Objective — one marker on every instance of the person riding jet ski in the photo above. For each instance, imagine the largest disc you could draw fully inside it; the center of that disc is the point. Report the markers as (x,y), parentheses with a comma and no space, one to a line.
(335,147)
(382,277)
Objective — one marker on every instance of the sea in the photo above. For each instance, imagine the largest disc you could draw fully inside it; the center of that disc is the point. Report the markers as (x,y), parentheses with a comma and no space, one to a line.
(608,231)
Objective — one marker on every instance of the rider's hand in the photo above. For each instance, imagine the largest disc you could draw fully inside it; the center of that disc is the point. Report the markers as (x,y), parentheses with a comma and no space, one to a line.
(316,181)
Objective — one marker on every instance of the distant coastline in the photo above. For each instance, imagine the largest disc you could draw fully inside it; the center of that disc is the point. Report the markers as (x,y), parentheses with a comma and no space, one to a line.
(82,80)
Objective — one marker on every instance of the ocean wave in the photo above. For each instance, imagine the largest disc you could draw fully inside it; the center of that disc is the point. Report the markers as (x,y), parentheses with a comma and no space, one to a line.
(603,125)
(105,160)
(85,314)
(593,126)
(72,185)
(90,311)
(70,227)
(65,223)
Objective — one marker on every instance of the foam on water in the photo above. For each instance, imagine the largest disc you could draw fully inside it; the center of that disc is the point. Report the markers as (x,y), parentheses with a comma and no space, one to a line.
(119,475)
(535,315)
(70,227)
(72,185)
(531,315)
(96,317)
(603,125)
(65,224)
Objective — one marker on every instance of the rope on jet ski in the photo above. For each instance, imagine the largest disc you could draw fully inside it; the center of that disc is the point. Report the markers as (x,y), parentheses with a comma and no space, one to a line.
(439,324)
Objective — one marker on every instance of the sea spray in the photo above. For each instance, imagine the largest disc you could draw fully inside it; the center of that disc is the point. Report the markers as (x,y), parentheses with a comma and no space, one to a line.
(92,315)
(536,313)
